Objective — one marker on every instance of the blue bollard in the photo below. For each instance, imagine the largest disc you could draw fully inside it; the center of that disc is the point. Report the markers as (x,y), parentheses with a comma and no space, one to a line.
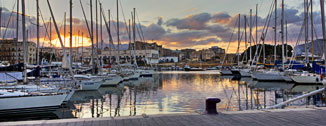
(211,105)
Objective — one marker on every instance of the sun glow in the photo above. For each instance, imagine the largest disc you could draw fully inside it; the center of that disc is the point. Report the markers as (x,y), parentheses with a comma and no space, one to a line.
(77,41)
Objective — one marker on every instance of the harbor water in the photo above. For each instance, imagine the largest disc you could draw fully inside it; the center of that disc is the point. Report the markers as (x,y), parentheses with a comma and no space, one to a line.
(172,92)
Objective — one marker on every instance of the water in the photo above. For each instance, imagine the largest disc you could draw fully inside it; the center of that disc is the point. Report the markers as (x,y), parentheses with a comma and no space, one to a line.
(183,92)
(173,92)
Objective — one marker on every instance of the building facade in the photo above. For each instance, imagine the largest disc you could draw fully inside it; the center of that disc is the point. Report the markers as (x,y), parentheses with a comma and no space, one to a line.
(8,51)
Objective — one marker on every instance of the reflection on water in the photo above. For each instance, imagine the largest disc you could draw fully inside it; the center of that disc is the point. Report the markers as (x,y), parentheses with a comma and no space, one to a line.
(175,92)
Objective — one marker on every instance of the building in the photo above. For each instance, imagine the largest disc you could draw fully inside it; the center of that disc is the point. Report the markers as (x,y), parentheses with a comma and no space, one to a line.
(186,54)
(169,60)
(8,51)
(149,56)
(214,53)
(149,46)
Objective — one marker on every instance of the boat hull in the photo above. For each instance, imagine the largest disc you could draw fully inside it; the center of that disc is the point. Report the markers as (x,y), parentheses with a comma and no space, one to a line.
(306,79)
(226,72)
(90,85)
(245,73)
(269,77)
(193,69)
(30,106)
(111,81)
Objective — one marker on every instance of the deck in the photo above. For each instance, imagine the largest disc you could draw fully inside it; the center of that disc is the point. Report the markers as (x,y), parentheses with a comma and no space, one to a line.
(288,117)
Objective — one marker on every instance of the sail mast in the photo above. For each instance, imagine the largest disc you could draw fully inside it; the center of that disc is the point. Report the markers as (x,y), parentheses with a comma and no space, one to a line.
(250,35)
(133,15)
(96,33)
(245,30)
(306,30)
(118,30)
(275,32)
(130,47)
(239,40)
(17,32)
(312,31)
(60,40)
(286,40)
(322,9)
(109,27)
(24,40)
(282,28)
(257,32)
(64,30)
(101,30)
(37,32)
(70,42)
(91,34)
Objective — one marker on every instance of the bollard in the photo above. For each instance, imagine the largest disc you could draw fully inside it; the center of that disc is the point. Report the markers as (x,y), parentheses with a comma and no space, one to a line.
(211,105)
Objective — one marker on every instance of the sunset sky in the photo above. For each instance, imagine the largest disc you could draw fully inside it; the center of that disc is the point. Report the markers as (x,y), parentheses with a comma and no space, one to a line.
(176,24)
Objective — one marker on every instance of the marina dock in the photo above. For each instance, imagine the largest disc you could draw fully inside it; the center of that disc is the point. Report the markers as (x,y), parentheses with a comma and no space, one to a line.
(288,117)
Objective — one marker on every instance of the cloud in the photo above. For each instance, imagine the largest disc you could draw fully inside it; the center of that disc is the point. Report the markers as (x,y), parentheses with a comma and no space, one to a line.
(192,22)
(192,31)
(221,18)
(160,21)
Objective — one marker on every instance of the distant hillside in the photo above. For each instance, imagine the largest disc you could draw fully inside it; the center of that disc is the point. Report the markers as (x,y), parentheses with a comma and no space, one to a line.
(318,44)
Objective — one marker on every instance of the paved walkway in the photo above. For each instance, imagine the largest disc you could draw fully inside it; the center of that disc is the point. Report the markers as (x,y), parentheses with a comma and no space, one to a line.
(287,117)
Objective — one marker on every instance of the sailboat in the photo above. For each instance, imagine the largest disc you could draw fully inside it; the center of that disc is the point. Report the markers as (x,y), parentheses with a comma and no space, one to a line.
(305,77)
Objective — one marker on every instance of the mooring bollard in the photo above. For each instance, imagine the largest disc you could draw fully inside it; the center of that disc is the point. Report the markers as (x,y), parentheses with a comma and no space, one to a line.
(211,105)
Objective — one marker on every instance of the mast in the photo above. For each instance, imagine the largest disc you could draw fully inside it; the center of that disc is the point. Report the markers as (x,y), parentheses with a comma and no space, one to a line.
(64,30)
(133,15)
(312,31)
(17,32)
(130,47)
(24,40)
(245,29)
(306,30)
(257,31)
(322,9)
(93,62)
(275,32)
(96,32)
(38,33)
(239,24)
(50,39)
(250,36)
(118,34)
(70,42)
(109,14)
(286,40)
(60,39)
(82,54)
(282,30)
(78,42)
(101,30)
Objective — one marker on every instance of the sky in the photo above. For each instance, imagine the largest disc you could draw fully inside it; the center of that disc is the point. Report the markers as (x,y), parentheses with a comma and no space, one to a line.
(175,24)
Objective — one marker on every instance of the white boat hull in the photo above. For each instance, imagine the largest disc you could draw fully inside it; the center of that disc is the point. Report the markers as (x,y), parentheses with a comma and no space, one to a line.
(245,73)
(90,85)
(226,72)
(306,79)
(111,81)
(147,73)
(135,76)
(268,77)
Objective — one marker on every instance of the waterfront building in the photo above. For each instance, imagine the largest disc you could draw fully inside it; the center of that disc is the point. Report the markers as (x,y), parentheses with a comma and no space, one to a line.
(8,51)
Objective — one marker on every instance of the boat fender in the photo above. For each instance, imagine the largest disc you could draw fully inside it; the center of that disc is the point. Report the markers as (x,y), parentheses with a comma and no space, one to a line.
(317,79)
(211,105)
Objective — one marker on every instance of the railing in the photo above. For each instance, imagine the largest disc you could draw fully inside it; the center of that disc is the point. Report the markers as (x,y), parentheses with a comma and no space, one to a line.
(297,98)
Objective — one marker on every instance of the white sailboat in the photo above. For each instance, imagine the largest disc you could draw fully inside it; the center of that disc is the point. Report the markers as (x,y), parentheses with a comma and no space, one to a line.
(306,78)
(88,83)
(112,80)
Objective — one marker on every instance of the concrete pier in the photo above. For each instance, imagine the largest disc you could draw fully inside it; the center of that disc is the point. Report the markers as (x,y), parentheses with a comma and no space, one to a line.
(288,117)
